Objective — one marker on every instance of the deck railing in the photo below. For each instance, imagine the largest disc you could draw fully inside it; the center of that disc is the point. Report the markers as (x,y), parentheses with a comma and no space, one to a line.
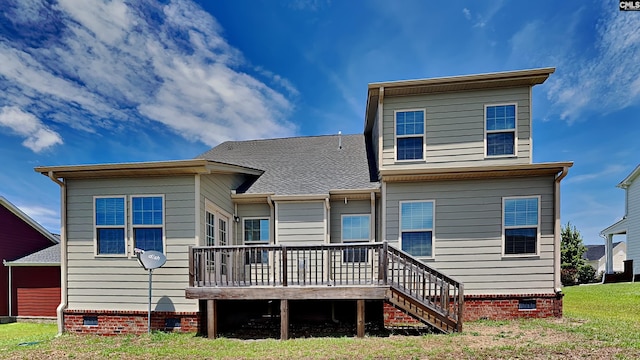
(233,266)
(362,264)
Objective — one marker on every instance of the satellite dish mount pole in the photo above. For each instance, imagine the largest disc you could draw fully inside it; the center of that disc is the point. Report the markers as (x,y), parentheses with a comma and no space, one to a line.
(150,260)
(149,312)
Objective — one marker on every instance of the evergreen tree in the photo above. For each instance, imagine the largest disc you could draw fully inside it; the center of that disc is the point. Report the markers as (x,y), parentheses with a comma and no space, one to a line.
(572,250)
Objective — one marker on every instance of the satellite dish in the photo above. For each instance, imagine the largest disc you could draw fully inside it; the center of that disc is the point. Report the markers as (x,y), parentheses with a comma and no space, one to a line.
(151,259)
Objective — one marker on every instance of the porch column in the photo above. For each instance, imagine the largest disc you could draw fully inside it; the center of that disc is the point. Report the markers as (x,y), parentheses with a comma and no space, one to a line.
(608,246)
(212,319)
(360,318)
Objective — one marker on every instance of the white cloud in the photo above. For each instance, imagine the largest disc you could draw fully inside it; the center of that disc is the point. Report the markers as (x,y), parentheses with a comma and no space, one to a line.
(605,82)
(48,218)
(102,64)
(609,172)
(467,13)
(483,18)
(38,136)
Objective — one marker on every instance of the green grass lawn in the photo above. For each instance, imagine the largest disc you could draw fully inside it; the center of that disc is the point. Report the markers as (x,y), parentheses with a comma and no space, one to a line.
(601,321)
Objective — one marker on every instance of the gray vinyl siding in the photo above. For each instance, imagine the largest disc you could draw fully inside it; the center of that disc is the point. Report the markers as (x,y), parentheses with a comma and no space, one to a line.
(301,222)
(119,283)
(633,221)
(217,189)
(467,235)
(454,126)
(339,208)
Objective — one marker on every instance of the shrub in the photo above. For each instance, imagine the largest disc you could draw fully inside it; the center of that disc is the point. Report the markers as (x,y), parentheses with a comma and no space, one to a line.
(586,274)
(568,276)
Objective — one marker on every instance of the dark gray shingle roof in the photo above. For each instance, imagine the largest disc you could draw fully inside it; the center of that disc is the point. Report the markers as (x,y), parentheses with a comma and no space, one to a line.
(50,255)
(595,252)
(299,165)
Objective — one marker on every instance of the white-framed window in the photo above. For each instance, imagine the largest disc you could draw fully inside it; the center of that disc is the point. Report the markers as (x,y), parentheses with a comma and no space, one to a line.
(110,225)
(210,234)
(256,231)
(500,129)
(410,134)
(356,228)
(147,222)
(521,225)
(416,227)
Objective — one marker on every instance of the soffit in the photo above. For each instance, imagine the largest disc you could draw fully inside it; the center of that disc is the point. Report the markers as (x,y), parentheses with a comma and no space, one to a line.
(160,168)
(472,173)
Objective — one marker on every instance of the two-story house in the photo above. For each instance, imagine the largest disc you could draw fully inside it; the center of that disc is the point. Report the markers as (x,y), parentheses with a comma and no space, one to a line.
(435,210)
(629,225)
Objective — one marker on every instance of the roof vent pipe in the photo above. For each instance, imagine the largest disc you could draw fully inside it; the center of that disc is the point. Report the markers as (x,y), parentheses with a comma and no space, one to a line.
(339,139)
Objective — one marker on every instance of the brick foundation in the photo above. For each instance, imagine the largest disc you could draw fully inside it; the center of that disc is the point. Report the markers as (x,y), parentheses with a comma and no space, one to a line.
(128,322)
(493,307)
(505,307)
(396,317)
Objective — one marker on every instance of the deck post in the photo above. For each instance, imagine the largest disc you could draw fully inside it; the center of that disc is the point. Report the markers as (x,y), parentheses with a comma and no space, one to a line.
(383,271)
(460,307)
(285,266)
(360,318)
(212,319)
(284,319)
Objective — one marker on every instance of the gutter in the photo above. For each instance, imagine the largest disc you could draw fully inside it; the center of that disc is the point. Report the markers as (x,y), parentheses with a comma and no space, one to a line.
(557,229)
(63,252)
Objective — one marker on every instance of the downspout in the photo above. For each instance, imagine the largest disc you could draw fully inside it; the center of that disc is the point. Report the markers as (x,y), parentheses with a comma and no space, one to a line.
(272,223)
(383,209)
(372,224)
(327,213)
(197,210)
(557,230)
(63,252)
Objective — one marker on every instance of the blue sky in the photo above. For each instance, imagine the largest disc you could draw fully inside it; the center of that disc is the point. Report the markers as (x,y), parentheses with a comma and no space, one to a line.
(86,82)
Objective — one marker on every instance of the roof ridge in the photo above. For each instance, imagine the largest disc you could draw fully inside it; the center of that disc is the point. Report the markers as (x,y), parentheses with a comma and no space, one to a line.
(289,138)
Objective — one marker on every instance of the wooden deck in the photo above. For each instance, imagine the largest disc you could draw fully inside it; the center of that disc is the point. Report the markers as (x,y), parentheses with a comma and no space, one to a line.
(358,272)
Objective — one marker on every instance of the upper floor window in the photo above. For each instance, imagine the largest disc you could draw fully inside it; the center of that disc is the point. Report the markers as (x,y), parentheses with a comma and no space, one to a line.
(500,125)
(521,221)
(356,228)
(256,232)
(110,226)
(148,222)
(416,227)
(410,134)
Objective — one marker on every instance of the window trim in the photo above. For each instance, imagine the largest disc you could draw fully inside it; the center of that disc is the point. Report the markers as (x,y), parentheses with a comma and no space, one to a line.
(396,136)
(528,255)
(342,216)
(244,240)
(124,226)
(216,211)
(515,132)
(133,227)
(433,227)
(358,241)
(247,260)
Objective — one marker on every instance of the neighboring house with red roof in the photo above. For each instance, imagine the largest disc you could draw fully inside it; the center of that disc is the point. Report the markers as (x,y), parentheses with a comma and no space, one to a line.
(31,255)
